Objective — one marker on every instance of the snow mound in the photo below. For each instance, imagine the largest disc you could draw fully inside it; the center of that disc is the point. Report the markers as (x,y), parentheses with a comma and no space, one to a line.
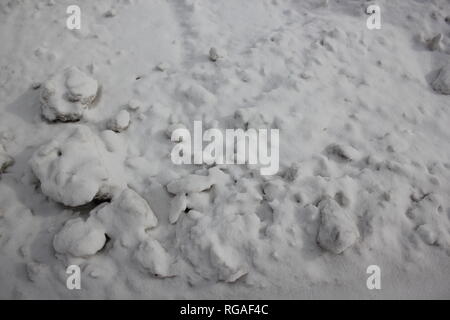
(218,245)
(66,95)
(128,217)
(79,238)
(337,231)
(153,258)
(5,159)
(442,82)
(219,233)
(73,168)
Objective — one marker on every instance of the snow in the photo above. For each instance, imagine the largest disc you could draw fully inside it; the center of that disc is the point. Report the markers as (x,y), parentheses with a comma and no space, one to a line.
(337,231)
(128,217)
(153,258)
(65,96)
(73,168)
(121,122)
(442,82)
(177,205)
(190,183)
(79,238)
(364,145)
(213,54)
(5,159)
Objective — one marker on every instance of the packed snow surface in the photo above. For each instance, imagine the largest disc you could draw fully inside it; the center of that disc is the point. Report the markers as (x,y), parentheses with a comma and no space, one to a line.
(86,121)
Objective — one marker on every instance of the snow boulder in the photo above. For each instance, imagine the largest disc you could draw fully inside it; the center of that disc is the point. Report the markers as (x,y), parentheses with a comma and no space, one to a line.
(337,230)
(79,238)
(153,258)
(5,159)
(74,168)
(442,83)
(66,95)
(127,217)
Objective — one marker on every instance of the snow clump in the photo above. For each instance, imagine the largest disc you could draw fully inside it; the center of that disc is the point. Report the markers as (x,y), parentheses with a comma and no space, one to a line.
(121,122)
(442,83)
(126,218)
(66,95)
(74,168)
(79,238)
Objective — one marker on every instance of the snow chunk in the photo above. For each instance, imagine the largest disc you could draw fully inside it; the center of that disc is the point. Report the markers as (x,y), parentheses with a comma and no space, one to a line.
(435,43)
(127,217)
(170,130)
(72,169)
(36,270)
(442,83)
(337,231)
(80,87)
(65,96)
(190,183)
(79,238)
(342,153)
(153,258)
(121,122)
(177,206)
(5,159)
(134,105)
(198,95)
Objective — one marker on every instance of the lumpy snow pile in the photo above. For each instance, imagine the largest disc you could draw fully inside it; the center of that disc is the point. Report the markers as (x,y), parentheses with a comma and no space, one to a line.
(86,177)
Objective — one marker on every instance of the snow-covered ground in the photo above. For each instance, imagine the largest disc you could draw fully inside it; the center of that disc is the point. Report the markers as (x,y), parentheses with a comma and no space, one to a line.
(364,128)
